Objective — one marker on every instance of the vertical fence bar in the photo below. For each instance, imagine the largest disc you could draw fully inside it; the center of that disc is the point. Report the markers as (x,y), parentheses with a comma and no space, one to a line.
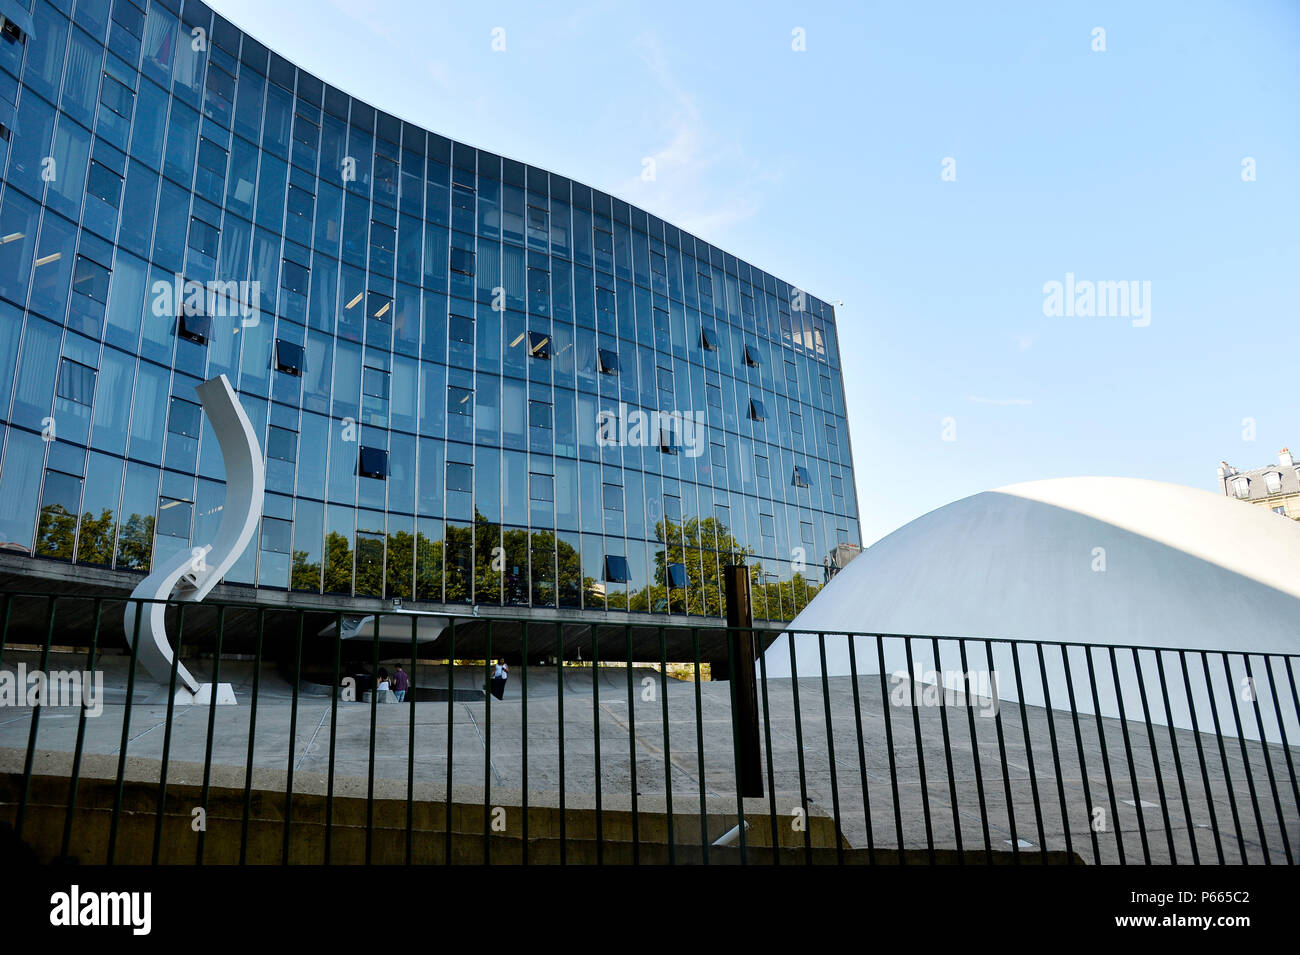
(889,741)
(1245,760)
(1200,754)
(167,738)
(212,729)
(410,744)
(631,743)
(830,751)
(126,730)
(1178,759)
(559,697)
(798,736)
(1083,762)
(668,749)
(1105,753)
(1290,675)
(862,752)
(1281,725)
(920,752)
(334,725)
(370,761)
(1155,758)
(947,750)
(4,626)
(293,741)
(1128,754)
(448,823)
(523,727)
(30,762)
(1056,753)
(1268,761)
(1223,755)
(1006,772)
(595,736)
(977,759)
(699,748)
(487,750)
(66,845)
(732,672)
(771,777)
(1029,750)
(252,737)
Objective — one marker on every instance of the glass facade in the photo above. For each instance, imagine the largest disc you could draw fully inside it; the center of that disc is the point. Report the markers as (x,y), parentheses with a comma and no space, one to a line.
(474,381)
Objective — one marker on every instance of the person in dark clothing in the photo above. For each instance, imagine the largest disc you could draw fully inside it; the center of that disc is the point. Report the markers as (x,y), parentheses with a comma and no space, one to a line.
(400,683)
(499,675)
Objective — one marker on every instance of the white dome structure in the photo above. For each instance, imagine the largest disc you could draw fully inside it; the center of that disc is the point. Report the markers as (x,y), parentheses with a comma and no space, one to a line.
(1088,560)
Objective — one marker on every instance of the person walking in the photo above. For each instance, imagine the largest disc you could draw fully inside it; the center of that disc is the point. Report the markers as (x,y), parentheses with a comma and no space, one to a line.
(400,683)
(500,674)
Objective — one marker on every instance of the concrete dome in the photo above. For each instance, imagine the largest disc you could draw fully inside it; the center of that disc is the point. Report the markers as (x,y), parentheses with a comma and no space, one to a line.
(1087,560)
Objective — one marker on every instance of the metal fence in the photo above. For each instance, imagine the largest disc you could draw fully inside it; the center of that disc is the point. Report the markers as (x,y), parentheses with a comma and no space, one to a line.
(874,747)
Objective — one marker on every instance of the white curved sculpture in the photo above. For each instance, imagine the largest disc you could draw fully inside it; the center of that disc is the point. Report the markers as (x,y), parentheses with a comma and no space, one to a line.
(192,574)
(1088,560)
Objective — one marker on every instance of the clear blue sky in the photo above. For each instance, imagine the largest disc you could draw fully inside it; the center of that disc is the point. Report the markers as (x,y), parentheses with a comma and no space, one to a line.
(824,167)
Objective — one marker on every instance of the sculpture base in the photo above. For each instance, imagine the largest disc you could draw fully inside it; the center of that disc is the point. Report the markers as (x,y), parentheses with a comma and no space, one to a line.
(225,696)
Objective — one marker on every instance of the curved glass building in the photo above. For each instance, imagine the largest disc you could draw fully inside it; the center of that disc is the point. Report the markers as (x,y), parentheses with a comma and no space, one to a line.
(474,381)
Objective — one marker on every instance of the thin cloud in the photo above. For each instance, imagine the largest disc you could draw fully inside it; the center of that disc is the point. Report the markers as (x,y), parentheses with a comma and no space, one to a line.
(999,401)
(709,185)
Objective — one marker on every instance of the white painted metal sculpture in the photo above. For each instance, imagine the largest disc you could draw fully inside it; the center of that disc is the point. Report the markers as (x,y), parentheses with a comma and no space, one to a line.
(191,575)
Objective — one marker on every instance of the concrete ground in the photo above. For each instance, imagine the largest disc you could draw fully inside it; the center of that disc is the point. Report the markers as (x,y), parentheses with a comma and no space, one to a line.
(1155,814)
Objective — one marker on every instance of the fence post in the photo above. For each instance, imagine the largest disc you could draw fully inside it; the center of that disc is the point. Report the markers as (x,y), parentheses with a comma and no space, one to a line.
(740,615)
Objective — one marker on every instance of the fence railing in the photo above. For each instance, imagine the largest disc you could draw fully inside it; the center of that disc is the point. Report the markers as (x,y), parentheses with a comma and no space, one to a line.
(606,747)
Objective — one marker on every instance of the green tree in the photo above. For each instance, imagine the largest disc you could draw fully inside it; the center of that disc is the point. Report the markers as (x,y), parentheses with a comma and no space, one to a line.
(135,542)
(95,545)
(56,532)
(306,575)
(401,564)
(338,564)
